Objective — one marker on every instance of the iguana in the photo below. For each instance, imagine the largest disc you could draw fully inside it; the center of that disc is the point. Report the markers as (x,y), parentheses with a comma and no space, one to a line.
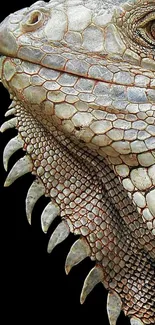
(81,76)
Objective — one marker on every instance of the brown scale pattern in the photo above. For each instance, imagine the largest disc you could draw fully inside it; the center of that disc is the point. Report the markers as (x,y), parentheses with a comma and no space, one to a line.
(89,196)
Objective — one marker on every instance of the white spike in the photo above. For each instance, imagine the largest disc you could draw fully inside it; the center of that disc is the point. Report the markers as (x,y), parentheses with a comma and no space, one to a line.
(78,252)
(11,111)
(136,321)
(94,277)
(23,166)
(114,306)
(60,234)
(35,191)
(9,124)
(50,212)
(13,104)
(12,146)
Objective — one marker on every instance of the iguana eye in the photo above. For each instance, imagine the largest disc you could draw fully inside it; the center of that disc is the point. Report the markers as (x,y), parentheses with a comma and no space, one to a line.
(153,29)
(146,29)
(33,21)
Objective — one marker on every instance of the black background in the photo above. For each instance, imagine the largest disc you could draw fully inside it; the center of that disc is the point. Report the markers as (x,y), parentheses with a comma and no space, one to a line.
(36,285)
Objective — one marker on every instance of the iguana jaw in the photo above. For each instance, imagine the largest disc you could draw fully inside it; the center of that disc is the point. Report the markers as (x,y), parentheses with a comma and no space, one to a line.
(113,88)
(86,109)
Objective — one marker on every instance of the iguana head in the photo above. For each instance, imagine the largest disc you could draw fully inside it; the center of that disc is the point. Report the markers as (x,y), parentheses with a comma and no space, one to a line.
(82,78)
(100,58)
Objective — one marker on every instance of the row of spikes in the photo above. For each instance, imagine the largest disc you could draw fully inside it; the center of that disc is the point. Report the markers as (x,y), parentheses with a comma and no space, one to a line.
(80,249)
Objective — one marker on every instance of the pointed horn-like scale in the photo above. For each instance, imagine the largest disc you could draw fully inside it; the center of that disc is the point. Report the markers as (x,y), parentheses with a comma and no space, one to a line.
(34,193)
(23,166)
(50,212)
(9,124)
(114,306)
(93,278)
(13,104)
(78,252)
(136,321)
(11,111)
(12,146)
(60,234)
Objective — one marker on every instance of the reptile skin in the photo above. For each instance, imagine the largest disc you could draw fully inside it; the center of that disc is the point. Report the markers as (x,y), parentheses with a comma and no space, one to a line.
(81,76)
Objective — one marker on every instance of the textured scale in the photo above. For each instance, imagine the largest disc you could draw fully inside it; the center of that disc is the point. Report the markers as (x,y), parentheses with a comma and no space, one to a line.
(81,76)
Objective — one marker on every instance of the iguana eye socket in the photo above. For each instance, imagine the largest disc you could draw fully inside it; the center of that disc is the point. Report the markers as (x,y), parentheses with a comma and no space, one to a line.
(33,21)
(146,29)
(153,29)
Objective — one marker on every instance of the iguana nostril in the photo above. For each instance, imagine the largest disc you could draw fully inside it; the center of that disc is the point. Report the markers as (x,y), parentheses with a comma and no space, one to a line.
(34,18)
(33,21)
